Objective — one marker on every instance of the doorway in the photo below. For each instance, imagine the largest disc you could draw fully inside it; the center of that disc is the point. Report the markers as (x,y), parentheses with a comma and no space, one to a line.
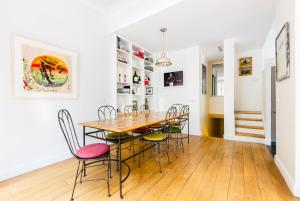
(273,110)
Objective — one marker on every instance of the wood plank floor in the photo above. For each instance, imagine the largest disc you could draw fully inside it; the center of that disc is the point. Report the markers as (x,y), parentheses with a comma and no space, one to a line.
(210,169)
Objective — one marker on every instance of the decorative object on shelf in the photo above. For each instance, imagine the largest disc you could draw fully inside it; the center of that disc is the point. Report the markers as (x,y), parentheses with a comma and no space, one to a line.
(245,66)
(173,79)
(147,81)
(139,80)
(149,68)
(134,105)
(283,53)
(122,45)
(139,53)
(43,71)
(149,91)
(163,60)
(204,79)
(120,77)
(149,59)
(135,78)
(122,59)
(146,104)
(124,90)
(125,78)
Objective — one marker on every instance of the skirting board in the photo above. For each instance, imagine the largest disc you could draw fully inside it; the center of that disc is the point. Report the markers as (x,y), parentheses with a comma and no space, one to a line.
(246,139)
(22,169)
(287,177)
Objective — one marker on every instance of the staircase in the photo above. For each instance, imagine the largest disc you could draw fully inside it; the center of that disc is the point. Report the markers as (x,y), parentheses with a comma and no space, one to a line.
(249,124)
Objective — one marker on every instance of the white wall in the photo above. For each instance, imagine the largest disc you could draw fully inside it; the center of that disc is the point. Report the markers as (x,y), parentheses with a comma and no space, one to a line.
(187,60)
(268,54)
(204,105)
(216,105)
(248,89)
(285,117)
(30,134)
(229,85)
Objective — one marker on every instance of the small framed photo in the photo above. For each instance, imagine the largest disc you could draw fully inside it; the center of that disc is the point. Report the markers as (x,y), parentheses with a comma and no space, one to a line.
(245,66)
(149,91)
(282,46)
(134,105)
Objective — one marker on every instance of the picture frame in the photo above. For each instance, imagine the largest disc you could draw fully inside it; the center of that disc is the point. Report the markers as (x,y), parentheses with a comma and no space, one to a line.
(282,47)
(245,66)
(174,78)
(204,79)
(40,70)
(134,105)
(149,91)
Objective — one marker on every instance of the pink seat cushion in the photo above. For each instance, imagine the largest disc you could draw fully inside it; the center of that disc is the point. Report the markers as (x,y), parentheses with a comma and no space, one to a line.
(92,150)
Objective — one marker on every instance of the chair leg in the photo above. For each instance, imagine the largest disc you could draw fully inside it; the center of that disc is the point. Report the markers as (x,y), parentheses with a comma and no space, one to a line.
(182,142)
(75,182)
(109,161)
(118,160)
(140,154)
(158,147)
(133,150)
(108,175)
(168,150)
(81,172)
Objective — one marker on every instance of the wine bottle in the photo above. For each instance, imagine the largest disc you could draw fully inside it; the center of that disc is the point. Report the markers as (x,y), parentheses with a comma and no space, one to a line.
(135,78)
(139,80)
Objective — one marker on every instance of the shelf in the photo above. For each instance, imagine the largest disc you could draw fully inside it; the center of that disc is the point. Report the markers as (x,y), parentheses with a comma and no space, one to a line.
(122,64)
(137,68)
(137,85)
(124,94)
(124,83)
(148,62)
(148,71)
(123,51)
(137,94)
(137,58)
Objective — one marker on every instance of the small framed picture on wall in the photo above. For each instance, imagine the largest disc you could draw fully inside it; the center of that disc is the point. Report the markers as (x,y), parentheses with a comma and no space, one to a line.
(245,66)
(282,46)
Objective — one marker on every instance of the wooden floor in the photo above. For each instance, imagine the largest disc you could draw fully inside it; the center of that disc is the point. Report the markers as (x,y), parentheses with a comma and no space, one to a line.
(210,170)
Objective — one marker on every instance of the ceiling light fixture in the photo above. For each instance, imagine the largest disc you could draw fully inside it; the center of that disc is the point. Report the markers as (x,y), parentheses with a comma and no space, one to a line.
(163,60)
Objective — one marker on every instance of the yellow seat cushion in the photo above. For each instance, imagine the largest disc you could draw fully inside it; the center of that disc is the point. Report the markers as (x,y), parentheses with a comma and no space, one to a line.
(155,137)
(115,136)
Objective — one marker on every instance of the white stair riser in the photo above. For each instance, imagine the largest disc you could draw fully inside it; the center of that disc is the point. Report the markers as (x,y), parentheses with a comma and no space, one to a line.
(249,123)
(247,130)
(253,116)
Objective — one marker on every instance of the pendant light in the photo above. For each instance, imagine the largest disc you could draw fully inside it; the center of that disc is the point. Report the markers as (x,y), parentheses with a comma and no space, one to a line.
(163,60)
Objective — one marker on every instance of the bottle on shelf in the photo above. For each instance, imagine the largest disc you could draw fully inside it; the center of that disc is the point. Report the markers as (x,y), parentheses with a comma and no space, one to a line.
(135,78)
(139,80)
(149,82)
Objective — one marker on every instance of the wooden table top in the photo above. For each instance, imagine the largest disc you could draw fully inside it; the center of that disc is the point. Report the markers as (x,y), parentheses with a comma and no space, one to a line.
(129,123)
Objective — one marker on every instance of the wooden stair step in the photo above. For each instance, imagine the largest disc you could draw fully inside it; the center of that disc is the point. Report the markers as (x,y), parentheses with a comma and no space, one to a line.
(247,112)
(248,119)
(249,135)
(249,127)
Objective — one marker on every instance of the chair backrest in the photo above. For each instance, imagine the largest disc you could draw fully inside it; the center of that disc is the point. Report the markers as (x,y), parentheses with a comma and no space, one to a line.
(107,112)
(178,106)
(144,109)
(170,119)
(67,127)
(184,116)
(128,110)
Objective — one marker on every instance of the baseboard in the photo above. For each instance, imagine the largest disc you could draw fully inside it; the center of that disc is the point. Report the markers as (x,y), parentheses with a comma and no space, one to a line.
(245,139)
(287,177)
(25,168)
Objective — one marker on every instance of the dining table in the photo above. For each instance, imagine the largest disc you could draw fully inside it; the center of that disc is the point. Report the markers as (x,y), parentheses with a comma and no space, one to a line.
(126,123)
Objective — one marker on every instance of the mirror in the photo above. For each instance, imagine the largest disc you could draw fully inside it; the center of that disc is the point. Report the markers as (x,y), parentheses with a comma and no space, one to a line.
(217,80)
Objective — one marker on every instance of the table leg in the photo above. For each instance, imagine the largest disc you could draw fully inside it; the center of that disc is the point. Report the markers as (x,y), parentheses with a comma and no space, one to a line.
(120,167)
(84,170)
(188,128)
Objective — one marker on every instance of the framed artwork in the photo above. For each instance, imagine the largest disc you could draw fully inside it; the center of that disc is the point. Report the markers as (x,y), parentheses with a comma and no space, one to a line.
(149,91)
(43,71)
(245,66)
(282,46)
(134,105)
(173,79)
(204,79)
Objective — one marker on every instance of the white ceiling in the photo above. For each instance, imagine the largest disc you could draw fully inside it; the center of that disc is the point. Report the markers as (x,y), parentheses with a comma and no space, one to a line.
(204,22)
(111,7)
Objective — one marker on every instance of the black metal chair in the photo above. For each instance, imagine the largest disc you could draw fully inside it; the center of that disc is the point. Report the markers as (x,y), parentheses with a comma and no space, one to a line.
(86,155)
(157,137)
(179,125)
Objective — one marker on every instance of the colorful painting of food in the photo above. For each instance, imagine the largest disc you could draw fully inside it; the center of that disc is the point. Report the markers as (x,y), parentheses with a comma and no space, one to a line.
(46,71)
